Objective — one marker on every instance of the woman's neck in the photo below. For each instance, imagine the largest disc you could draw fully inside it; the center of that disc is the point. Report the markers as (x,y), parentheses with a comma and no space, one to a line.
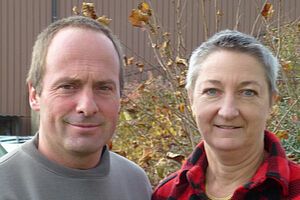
(227,171)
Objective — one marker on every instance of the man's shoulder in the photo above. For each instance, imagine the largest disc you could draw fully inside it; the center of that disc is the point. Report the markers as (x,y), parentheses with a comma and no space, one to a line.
(123,162)
(123,167)
(10,157)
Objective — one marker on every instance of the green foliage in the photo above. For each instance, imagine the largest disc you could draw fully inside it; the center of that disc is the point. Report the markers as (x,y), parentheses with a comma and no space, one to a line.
(151,129)
(157,129)
(284,121)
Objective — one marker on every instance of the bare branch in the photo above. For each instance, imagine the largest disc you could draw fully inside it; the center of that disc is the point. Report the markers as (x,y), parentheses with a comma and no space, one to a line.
(204,20)
(237,17)
(285,114)
(258,16)
(217,16)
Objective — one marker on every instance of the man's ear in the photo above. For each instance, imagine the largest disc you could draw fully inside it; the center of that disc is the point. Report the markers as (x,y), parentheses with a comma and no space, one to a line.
(34,99)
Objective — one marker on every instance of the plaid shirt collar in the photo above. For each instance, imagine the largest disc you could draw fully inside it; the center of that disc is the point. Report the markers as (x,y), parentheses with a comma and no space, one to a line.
(192,174)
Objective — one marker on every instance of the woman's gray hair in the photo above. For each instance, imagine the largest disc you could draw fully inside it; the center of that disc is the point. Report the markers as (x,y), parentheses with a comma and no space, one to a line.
(233,41)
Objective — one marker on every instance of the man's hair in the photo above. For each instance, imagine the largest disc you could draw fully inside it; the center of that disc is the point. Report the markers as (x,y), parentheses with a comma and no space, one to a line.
(238,42)
(40,49)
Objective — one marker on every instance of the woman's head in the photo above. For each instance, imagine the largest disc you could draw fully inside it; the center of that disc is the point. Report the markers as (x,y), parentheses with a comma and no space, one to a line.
(237,42)
(231,86)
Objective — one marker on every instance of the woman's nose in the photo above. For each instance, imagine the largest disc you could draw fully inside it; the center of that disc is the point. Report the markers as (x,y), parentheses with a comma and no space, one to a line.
(228,108)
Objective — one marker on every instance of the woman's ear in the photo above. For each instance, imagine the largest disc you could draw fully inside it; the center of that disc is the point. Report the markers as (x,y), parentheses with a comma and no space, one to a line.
(274,97)
(190,95)
(34,99)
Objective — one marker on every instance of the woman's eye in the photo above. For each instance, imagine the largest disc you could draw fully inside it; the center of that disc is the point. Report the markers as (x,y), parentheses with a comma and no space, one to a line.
(210,92)
(249,93)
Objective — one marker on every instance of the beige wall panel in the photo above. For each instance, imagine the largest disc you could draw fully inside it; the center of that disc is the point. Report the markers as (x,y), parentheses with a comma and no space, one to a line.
(22,20)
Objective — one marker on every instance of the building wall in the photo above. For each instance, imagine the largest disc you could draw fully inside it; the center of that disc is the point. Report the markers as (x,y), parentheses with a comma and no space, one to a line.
(21,21)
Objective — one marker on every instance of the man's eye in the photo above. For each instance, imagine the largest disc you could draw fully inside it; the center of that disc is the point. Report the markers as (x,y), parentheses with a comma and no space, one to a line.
(249,92)
(67,87)
(210,91)
(104,88)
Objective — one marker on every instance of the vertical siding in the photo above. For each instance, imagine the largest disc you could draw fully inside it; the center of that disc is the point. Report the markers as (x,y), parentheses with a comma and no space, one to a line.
(21,21)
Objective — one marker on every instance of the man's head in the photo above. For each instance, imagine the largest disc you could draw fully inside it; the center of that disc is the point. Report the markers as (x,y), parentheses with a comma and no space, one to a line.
(40,49)
(77,91)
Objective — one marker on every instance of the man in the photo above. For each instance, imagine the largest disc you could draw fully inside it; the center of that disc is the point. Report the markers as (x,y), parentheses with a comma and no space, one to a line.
(75,82)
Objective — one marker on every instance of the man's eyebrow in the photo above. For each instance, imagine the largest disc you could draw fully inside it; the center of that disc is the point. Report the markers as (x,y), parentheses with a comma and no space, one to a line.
(105,82)
(66,80)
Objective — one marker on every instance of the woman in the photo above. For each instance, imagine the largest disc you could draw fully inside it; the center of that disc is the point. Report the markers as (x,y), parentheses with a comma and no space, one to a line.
(231,86)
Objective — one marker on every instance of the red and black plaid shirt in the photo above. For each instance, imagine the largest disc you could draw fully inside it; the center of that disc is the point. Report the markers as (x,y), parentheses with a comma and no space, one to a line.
(276,178)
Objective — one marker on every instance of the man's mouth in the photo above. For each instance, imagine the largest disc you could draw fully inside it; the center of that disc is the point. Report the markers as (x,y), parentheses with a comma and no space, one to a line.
(84,125)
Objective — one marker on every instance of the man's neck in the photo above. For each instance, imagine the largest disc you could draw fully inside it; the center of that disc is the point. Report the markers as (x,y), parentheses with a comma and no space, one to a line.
(70,159)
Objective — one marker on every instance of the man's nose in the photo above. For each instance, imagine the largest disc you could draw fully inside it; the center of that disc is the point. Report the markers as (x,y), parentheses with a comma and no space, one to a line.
(228,108)
(86,104)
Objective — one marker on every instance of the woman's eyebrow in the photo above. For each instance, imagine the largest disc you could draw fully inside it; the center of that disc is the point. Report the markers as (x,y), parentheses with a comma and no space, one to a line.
(213,81)
(246,83)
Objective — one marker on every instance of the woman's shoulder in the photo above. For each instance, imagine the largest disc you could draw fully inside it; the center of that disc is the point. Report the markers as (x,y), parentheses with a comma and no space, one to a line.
(294,182)
(163,190)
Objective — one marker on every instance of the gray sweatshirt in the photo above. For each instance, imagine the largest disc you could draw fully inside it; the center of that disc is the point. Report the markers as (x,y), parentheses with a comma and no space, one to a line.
(26,174)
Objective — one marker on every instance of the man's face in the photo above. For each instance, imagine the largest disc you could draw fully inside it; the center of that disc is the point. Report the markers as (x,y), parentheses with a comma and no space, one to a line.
(80,99)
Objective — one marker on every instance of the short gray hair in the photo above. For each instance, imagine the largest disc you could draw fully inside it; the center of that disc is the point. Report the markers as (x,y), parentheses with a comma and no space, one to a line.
(40,49)
(233,41)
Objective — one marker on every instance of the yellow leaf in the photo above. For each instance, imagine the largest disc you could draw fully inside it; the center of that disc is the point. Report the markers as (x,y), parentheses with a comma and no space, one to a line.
(181,107)
(275,110)
(155,46)
(130,60)
(181,83)
(145,8)
(286,65)
(127,116)
(141,87)
(138,18)
(140,65)
(219,13)
(147,154)
(165,44)
(181,61)
(170,62)
(267,11)
(104,20)
(282,134)
(75,10)
(160,167)
(88,10)
(174,156)
(153,99)
(166,34)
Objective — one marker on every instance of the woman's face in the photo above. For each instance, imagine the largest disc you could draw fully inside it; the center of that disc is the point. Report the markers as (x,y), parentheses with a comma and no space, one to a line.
(231,100)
